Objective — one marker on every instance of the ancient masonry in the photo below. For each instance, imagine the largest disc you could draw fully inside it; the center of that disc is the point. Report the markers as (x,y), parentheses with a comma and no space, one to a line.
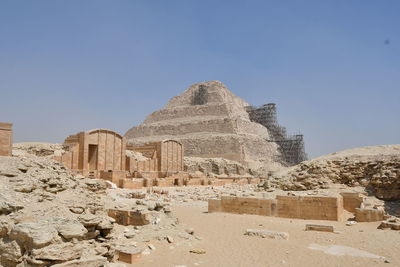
(211,122)
(291,146)
(102,153)
(300,207)
(94,152)
(6,139)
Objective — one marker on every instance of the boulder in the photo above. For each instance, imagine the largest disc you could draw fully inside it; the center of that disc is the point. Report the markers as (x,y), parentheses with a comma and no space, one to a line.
(34,235)
(96,261)
(58,252)
(69,228)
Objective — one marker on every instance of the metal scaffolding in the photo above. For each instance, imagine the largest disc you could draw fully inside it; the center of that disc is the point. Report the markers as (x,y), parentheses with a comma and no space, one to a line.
(291,146)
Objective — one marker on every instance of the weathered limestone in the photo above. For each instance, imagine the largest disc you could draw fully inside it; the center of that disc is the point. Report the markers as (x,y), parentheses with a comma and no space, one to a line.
(310,207)
(351,200)
(320,228)
(6,139)
(265,207)
(267,234)
(126,217)
(210,121)
(129,255)
(299,207)
(163,157)
(369,215)
(393,223)
(94,151)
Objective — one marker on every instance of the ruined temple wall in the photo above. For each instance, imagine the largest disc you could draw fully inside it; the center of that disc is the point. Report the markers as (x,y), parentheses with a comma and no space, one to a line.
(94,150)
(310,207)
(111,149)
(6,139)
(296,207)
(171,156)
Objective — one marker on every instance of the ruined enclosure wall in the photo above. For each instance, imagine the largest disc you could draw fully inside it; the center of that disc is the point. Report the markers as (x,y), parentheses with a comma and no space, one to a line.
(164,156)
(296,207)
(265,207)
(108,150)
(6,139)
(311,208)
(171,156)
(291,146)
(95,150)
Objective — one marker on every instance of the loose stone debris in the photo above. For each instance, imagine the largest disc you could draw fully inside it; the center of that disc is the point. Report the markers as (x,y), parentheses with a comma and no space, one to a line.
(267,234)
(321,228)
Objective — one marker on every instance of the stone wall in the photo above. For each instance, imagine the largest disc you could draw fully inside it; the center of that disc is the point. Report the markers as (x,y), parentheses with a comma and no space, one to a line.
(6,139)
(296,207)
(94,151)
(310,207)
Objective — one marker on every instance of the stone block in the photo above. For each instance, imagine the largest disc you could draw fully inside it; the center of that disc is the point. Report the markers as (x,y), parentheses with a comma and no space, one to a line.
(113,176)
(320,228)
(214,205)
(267,234)
(164,182)
(194,181)
(6,139)
(242,181)
(351,201)
(149,182)
(125,217)
(369,215)
(135,183)
(129,256)
(310,207)
(216,182)
(256,206)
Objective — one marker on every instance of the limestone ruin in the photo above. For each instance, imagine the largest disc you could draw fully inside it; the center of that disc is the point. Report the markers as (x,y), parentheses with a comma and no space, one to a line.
(6,139)
(164,159)
(93,152)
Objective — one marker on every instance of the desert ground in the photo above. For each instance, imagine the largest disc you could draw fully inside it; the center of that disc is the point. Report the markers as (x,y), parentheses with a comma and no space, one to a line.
(221,237)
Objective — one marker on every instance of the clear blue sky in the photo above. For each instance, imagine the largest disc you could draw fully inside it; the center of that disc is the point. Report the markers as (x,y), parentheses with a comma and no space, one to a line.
(332,67)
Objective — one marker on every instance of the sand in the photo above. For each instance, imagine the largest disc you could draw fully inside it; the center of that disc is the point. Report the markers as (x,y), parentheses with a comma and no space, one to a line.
(223,239)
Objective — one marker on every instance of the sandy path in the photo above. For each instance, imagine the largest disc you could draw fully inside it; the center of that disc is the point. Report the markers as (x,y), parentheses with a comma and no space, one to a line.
(225,244)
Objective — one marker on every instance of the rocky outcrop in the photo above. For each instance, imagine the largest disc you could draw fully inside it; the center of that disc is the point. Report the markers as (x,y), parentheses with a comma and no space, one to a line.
(215,167)
(48,216)
(211,122)
(376,168)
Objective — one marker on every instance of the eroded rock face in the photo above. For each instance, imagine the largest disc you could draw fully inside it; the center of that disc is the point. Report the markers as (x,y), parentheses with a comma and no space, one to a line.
(215,167)
(211,122)
(376,168)
(34,235)
(49,216)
